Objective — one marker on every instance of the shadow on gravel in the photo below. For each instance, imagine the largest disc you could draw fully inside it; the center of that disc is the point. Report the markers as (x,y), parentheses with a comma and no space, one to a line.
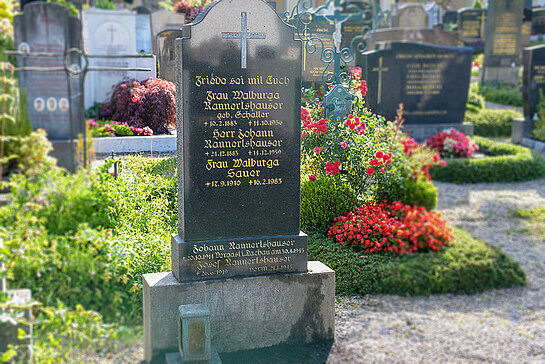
(300,354)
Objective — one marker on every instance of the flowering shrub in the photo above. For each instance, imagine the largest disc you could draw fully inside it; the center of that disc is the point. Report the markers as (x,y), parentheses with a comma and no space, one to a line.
(394,227)
(150,103)
(190,8)
(421,158)
(452,143)
(107,128)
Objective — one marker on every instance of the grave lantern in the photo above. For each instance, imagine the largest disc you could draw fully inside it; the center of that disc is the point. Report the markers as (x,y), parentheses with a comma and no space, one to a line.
(194,329)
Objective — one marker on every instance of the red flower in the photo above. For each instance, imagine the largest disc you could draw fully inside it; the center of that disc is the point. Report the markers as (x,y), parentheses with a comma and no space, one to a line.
(379,154)
(370,171)
(317,150)
(344,145)
(332,168)
(312,177)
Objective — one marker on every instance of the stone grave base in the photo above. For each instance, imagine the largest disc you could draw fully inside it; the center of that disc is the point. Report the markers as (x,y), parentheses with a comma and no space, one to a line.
(176,358)
(422,131)
(521,128)
(245,313)
(508,75)
(133,144)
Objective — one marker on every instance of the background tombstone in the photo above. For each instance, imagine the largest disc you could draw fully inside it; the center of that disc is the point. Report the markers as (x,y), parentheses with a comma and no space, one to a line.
(533,78)
(427,36)
(239,84)
(538,20)
(431,81)
(107,32)
(167,53)
(48,28)
(45,27)
(143,33)
(471,25)
(410,16)
(502,51)
(450,18)
(163,20)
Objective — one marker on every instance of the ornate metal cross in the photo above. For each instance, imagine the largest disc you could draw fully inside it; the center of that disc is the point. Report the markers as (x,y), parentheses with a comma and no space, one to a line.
(243,36)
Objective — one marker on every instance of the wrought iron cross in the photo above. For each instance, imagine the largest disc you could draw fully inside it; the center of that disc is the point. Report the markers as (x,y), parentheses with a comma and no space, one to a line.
(243,36)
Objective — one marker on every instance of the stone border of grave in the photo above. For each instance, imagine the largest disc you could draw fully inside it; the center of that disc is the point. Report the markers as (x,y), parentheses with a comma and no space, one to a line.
(134,144)
(536,145)
(504,163)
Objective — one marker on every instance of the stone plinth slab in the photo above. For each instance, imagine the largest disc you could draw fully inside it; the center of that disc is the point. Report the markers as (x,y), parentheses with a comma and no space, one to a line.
(132,144)
(422,131)
(245,313)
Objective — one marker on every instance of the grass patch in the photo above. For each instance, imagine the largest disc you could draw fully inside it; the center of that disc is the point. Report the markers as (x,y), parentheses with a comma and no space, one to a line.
(534,221)
(506,163)
(465,266)
(501,93)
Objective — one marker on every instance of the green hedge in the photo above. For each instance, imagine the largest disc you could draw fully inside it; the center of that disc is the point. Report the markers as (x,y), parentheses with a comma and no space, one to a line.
(467,265)
(492,122)
(501,93)
(506,163)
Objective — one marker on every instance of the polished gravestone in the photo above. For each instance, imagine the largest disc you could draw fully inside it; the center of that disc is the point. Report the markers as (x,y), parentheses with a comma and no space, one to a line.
(471,25)
(503,50)
(533,78)
(239,249)
(166,53)
(48,28)
(538,21)
(431,82)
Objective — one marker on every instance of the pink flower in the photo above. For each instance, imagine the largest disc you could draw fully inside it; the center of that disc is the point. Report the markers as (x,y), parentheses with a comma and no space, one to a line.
(382,170)
(317,150)
(370,171)
(332,168)
(108,128)
(436,158)
(312,177)
(379,154)
(344,145)
(443,163)
(303,135)
(92,123)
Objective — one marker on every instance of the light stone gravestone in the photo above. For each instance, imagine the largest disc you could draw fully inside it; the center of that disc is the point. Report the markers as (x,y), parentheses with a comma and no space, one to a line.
(108,32)
(427,36)
(239,250)
(503,50)
(48,28)
(410,16)
(162,20)
(143,33)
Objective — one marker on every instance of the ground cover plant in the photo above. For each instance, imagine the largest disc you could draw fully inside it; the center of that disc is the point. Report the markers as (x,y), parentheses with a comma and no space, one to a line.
(492,122)
(533,220)
(503,163)
(501,93)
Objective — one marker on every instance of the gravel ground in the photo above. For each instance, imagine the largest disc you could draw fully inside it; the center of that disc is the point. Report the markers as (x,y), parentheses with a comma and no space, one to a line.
(499,326)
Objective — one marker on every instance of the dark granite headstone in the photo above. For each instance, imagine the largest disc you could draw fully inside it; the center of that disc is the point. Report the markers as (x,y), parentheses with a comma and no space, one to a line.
(166,50)
(431,81)
(45,27)
(239,84)
(533,78)
(471,25)
(450,17)
(538,21)
(502,35)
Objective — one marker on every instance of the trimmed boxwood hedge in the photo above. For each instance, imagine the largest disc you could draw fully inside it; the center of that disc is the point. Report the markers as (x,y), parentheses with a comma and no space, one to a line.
(467,265)
(506,163)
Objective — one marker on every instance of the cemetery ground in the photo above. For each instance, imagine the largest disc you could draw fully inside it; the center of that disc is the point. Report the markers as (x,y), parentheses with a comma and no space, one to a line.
(498,325)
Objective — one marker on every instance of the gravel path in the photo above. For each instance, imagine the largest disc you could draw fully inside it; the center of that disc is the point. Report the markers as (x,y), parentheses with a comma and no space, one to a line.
(500,326)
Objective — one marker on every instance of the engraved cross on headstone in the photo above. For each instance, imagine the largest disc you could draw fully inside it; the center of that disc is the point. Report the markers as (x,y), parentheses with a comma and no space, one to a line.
(46,20)
(243,36)
(380,69)
(112,30)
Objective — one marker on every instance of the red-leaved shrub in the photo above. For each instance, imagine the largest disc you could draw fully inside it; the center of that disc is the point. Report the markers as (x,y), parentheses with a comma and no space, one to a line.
(150,103)
(394,227)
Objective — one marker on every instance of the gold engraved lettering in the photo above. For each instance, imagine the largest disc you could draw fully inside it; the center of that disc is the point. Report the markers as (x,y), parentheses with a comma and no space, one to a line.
(209,80)
(223,134)
(243,174)
(211,164)
(278,80)
(242,134)
(210,96)
(252,95)
(251,163)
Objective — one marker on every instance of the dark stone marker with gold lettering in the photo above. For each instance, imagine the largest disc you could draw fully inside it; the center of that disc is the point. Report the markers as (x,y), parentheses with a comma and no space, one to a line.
(471,24)
(431,81)
(503,49)
(239,83)
(533,78)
